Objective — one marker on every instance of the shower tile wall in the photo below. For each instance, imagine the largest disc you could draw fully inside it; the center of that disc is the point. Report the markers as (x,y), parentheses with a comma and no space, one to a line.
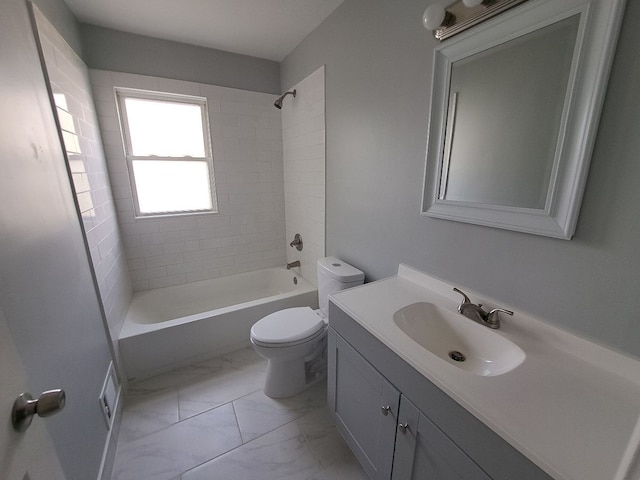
(69,79)
(248,233)
(303,139)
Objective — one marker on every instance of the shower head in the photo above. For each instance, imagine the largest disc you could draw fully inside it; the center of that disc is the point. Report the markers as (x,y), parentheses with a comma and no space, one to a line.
(278,102)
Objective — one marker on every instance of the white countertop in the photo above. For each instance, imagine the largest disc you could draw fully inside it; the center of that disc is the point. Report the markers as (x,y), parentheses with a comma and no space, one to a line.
(572,407)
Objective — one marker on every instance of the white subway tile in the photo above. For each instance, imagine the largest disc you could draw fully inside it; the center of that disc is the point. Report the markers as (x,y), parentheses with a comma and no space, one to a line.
(248,257)
(188,267)
(163,260)
(203,275)
(168,281)
(217,263)
(213,243)
(200,255)
(144,251)
(181,247)
(249,188)
(178,86)
(148,273)
(140,285)
(136,264)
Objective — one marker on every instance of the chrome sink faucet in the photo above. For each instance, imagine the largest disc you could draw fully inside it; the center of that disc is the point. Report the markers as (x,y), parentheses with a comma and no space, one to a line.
(477,314)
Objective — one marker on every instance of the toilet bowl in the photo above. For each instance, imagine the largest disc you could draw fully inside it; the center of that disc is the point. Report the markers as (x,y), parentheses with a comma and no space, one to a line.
(294,340)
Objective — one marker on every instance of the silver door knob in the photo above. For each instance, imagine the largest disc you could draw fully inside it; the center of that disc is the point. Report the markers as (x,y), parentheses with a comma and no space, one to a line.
(385,410)
(25,407)
(403,427)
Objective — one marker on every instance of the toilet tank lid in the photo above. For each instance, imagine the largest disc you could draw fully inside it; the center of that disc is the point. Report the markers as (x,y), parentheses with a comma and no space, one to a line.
(340,270)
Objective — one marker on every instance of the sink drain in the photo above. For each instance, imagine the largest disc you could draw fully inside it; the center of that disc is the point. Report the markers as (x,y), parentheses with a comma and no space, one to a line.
(457,356)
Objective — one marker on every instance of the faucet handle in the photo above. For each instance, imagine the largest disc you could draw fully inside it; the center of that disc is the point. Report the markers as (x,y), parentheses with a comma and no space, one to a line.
(466,299)
(492,317)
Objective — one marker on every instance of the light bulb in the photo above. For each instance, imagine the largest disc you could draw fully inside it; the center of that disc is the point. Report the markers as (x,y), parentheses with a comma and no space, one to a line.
(472,3)
(433,16)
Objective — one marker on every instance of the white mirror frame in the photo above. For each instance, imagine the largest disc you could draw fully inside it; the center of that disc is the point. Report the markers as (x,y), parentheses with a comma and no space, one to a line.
(593,55)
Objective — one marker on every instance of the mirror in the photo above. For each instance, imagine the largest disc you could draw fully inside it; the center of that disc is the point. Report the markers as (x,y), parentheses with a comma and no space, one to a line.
(514,109)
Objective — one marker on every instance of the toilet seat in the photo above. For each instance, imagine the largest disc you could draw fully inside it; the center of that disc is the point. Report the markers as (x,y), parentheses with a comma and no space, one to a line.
(288,327)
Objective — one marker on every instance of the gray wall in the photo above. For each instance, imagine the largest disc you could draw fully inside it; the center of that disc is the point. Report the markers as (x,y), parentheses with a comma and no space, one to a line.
(107,49)
(378,71)
(46,288)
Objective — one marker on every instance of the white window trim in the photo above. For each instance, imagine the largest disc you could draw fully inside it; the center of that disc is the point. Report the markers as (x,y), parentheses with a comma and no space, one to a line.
(122,93)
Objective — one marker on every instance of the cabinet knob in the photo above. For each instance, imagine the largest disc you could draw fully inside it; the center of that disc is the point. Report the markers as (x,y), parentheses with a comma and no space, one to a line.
(386,409)
(403,427)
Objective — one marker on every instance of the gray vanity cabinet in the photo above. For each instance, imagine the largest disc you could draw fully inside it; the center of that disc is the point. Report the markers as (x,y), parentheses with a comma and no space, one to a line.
(390,437)
(365,407)
(423,452)
(372,391)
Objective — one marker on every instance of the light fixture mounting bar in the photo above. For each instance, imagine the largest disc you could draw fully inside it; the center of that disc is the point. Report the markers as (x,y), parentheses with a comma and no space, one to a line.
(467,17)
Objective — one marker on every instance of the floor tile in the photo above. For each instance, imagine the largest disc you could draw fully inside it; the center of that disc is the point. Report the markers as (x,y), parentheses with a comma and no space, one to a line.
(280,455)
(224,386)
(324,440)
(211,420)
(176,378)
(169,452)
(146,414)
(258,414)
(246,357)
(346,468)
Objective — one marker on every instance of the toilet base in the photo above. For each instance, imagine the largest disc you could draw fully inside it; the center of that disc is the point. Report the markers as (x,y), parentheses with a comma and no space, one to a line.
(286,378)
(278,385)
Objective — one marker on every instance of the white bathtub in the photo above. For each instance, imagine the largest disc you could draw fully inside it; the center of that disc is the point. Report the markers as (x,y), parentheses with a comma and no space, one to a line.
(173,326)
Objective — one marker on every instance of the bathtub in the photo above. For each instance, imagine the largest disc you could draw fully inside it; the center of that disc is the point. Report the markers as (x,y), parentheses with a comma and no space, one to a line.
(173,326)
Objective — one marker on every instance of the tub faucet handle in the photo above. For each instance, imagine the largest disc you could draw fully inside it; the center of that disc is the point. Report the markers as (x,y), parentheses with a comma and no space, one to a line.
(297,242)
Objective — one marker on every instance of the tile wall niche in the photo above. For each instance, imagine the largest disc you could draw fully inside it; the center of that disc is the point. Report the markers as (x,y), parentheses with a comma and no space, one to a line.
(303,140)
(69,80)
(248,233)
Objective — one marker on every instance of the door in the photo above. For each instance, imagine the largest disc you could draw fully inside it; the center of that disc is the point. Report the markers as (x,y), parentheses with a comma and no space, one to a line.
(17,459)
(49,304)
(423,452)
(364,405)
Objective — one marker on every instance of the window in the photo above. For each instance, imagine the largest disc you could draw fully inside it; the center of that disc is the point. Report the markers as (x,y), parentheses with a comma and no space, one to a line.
(168,152)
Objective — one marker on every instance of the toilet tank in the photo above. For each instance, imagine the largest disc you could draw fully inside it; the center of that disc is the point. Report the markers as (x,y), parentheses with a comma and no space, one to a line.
(335,275)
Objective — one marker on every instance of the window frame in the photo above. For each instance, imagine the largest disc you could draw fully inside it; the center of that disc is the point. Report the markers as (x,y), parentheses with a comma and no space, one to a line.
(121,94)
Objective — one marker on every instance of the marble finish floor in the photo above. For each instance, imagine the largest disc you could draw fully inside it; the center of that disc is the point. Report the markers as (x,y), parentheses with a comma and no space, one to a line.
(211,421)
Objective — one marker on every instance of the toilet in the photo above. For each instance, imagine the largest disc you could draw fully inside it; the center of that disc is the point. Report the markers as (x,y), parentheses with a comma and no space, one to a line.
(294,340)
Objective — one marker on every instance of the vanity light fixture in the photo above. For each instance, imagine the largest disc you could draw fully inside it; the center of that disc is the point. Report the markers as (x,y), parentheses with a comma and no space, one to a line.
(435,16)
(462,14)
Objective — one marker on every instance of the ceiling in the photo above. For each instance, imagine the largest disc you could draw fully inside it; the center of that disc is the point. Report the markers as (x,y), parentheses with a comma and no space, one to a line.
(268,29)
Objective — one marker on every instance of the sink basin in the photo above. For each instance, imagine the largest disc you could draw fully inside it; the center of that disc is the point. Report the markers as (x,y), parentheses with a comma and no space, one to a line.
(458,340)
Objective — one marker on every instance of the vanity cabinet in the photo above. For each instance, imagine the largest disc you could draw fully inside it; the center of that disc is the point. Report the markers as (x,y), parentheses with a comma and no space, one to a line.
(399,425)
(388,434)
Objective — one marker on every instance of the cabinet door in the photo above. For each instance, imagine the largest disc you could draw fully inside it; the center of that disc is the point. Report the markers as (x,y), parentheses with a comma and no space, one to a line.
(365,407)
(423,452)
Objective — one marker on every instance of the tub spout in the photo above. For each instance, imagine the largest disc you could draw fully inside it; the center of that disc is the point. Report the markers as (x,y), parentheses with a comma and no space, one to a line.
(293,264)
